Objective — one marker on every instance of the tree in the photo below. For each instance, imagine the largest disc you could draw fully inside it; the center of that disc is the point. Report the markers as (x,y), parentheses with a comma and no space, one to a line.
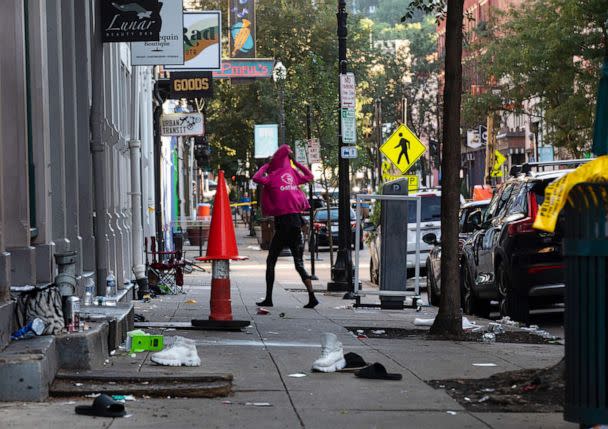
(449,318)
(544,58)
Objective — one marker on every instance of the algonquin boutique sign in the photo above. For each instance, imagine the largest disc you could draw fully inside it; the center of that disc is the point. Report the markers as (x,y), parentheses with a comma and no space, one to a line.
(131,20)
(169,48)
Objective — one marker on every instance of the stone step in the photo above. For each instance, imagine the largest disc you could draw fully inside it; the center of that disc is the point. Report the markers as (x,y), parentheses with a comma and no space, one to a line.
(7,311)
(27,369)
(119,319)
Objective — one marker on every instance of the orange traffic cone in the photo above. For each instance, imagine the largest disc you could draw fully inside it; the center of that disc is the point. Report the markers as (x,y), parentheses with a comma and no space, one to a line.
(221,248)
(222,240)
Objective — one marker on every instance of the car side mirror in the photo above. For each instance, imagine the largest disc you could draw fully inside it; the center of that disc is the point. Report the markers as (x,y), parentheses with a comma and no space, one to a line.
(430,239)
(474,219)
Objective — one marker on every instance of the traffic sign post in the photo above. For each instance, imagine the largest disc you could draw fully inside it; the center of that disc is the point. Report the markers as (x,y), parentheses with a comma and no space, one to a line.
(301,152)
(403,148)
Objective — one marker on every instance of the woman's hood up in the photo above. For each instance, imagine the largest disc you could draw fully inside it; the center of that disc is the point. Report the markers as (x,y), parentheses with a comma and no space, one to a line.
(280,159)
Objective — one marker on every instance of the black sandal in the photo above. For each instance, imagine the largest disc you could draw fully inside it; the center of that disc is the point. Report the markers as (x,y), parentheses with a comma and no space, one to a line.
(377,371)
(103,406)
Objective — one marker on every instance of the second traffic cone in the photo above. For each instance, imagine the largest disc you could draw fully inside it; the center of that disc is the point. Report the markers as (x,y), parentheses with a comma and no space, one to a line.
(222,239)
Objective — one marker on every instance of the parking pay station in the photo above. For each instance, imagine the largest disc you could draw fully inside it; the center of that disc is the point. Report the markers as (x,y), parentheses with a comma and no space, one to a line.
(393,246)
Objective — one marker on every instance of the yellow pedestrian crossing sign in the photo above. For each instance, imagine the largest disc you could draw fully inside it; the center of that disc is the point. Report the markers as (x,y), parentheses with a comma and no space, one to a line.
(403,148)
(499,160)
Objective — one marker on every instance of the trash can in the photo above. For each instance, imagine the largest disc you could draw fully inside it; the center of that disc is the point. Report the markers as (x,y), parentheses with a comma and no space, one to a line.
(586,316)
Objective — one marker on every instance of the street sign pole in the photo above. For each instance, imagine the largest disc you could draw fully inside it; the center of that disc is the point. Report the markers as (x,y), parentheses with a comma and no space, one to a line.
(342,271)
(311,212)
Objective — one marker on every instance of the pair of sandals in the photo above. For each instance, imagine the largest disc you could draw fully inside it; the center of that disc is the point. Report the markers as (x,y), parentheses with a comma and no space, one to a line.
(375,371)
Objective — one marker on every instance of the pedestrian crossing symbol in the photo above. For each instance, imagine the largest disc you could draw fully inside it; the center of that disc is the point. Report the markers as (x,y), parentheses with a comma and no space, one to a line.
(403,148)
(499,160)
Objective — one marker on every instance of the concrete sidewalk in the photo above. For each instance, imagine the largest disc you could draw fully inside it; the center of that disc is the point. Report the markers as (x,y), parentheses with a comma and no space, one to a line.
(285,342)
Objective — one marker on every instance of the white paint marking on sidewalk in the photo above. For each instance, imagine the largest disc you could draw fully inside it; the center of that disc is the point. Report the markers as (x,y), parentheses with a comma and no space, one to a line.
(254,343)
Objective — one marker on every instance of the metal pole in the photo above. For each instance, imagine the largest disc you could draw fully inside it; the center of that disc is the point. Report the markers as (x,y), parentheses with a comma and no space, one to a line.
(342,271)
(379,139)
(282,102)
(310,193)
(98,148)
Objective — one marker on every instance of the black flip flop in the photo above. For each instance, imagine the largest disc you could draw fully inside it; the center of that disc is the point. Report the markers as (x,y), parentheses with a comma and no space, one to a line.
(377,371)
(103,406)
(353,362)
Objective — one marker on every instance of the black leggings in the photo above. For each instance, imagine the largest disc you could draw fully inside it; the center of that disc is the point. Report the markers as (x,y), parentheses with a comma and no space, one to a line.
(285,237)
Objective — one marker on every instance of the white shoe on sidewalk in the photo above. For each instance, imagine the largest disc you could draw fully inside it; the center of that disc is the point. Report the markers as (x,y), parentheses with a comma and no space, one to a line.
(182,352)
(332,354)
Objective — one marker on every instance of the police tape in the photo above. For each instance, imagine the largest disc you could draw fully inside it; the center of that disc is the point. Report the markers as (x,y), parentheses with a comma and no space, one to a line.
(250,203)
(556,193)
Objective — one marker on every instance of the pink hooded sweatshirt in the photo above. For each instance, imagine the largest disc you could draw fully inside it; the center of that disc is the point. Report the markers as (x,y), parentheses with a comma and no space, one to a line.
(281,194)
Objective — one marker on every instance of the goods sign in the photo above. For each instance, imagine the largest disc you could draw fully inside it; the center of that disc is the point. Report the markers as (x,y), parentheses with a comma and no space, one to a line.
(191,85)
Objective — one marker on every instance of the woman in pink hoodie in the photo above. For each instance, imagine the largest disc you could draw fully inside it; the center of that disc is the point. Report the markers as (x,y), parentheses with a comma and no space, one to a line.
(283,199)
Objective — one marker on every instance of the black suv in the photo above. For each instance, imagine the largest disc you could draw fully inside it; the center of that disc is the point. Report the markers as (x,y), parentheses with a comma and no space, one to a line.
(508,260)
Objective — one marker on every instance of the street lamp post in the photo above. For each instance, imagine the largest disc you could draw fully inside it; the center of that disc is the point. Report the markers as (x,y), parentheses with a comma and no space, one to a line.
(342,271)
(279,74)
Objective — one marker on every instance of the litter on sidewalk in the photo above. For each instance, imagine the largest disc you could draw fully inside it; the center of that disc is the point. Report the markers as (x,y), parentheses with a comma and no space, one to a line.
(262,311)
(484,364)
(297,375)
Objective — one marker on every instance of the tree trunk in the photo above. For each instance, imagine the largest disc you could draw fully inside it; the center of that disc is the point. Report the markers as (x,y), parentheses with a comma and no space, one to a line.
(449,319)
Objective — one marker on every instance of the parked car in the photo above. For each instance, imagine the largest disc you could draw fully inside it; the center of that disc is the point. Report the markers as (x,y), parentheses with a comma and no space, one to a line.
(508,260)
(433,262)
(430,221)
(320,225)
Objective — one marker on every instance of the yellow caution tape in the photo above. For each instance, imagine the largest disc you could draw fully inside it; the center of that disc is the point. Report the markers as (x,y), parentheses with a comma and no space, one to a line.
(244,204)
(556,193)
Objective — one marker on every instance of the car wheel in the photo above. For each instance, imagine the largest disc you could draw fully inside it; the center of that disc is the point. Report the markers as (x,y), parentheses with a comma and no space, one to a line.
(470,303)
(512,304)
(373,273)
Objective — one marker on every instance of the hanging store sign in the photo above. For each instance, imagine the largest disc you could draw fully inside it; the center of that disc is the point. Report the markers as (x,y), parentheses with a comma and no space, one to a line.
(131,20)
(191,85)
(266,139)
(182,124)
(250,68)
(169,49)
(242,28)
(202,37)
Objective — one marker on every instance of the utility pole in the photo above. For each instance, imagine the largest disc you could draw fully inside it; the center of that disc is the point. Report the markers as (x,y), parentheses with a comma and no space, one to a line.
(342,271)
(378,111)
(310,193)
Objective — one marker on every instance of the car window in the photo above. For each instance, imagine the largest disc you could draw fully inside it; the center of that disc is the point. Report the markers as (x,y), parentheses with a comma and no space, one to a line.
(519,201)
(505,198)
(321,215)
(494,204)
(430,209)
